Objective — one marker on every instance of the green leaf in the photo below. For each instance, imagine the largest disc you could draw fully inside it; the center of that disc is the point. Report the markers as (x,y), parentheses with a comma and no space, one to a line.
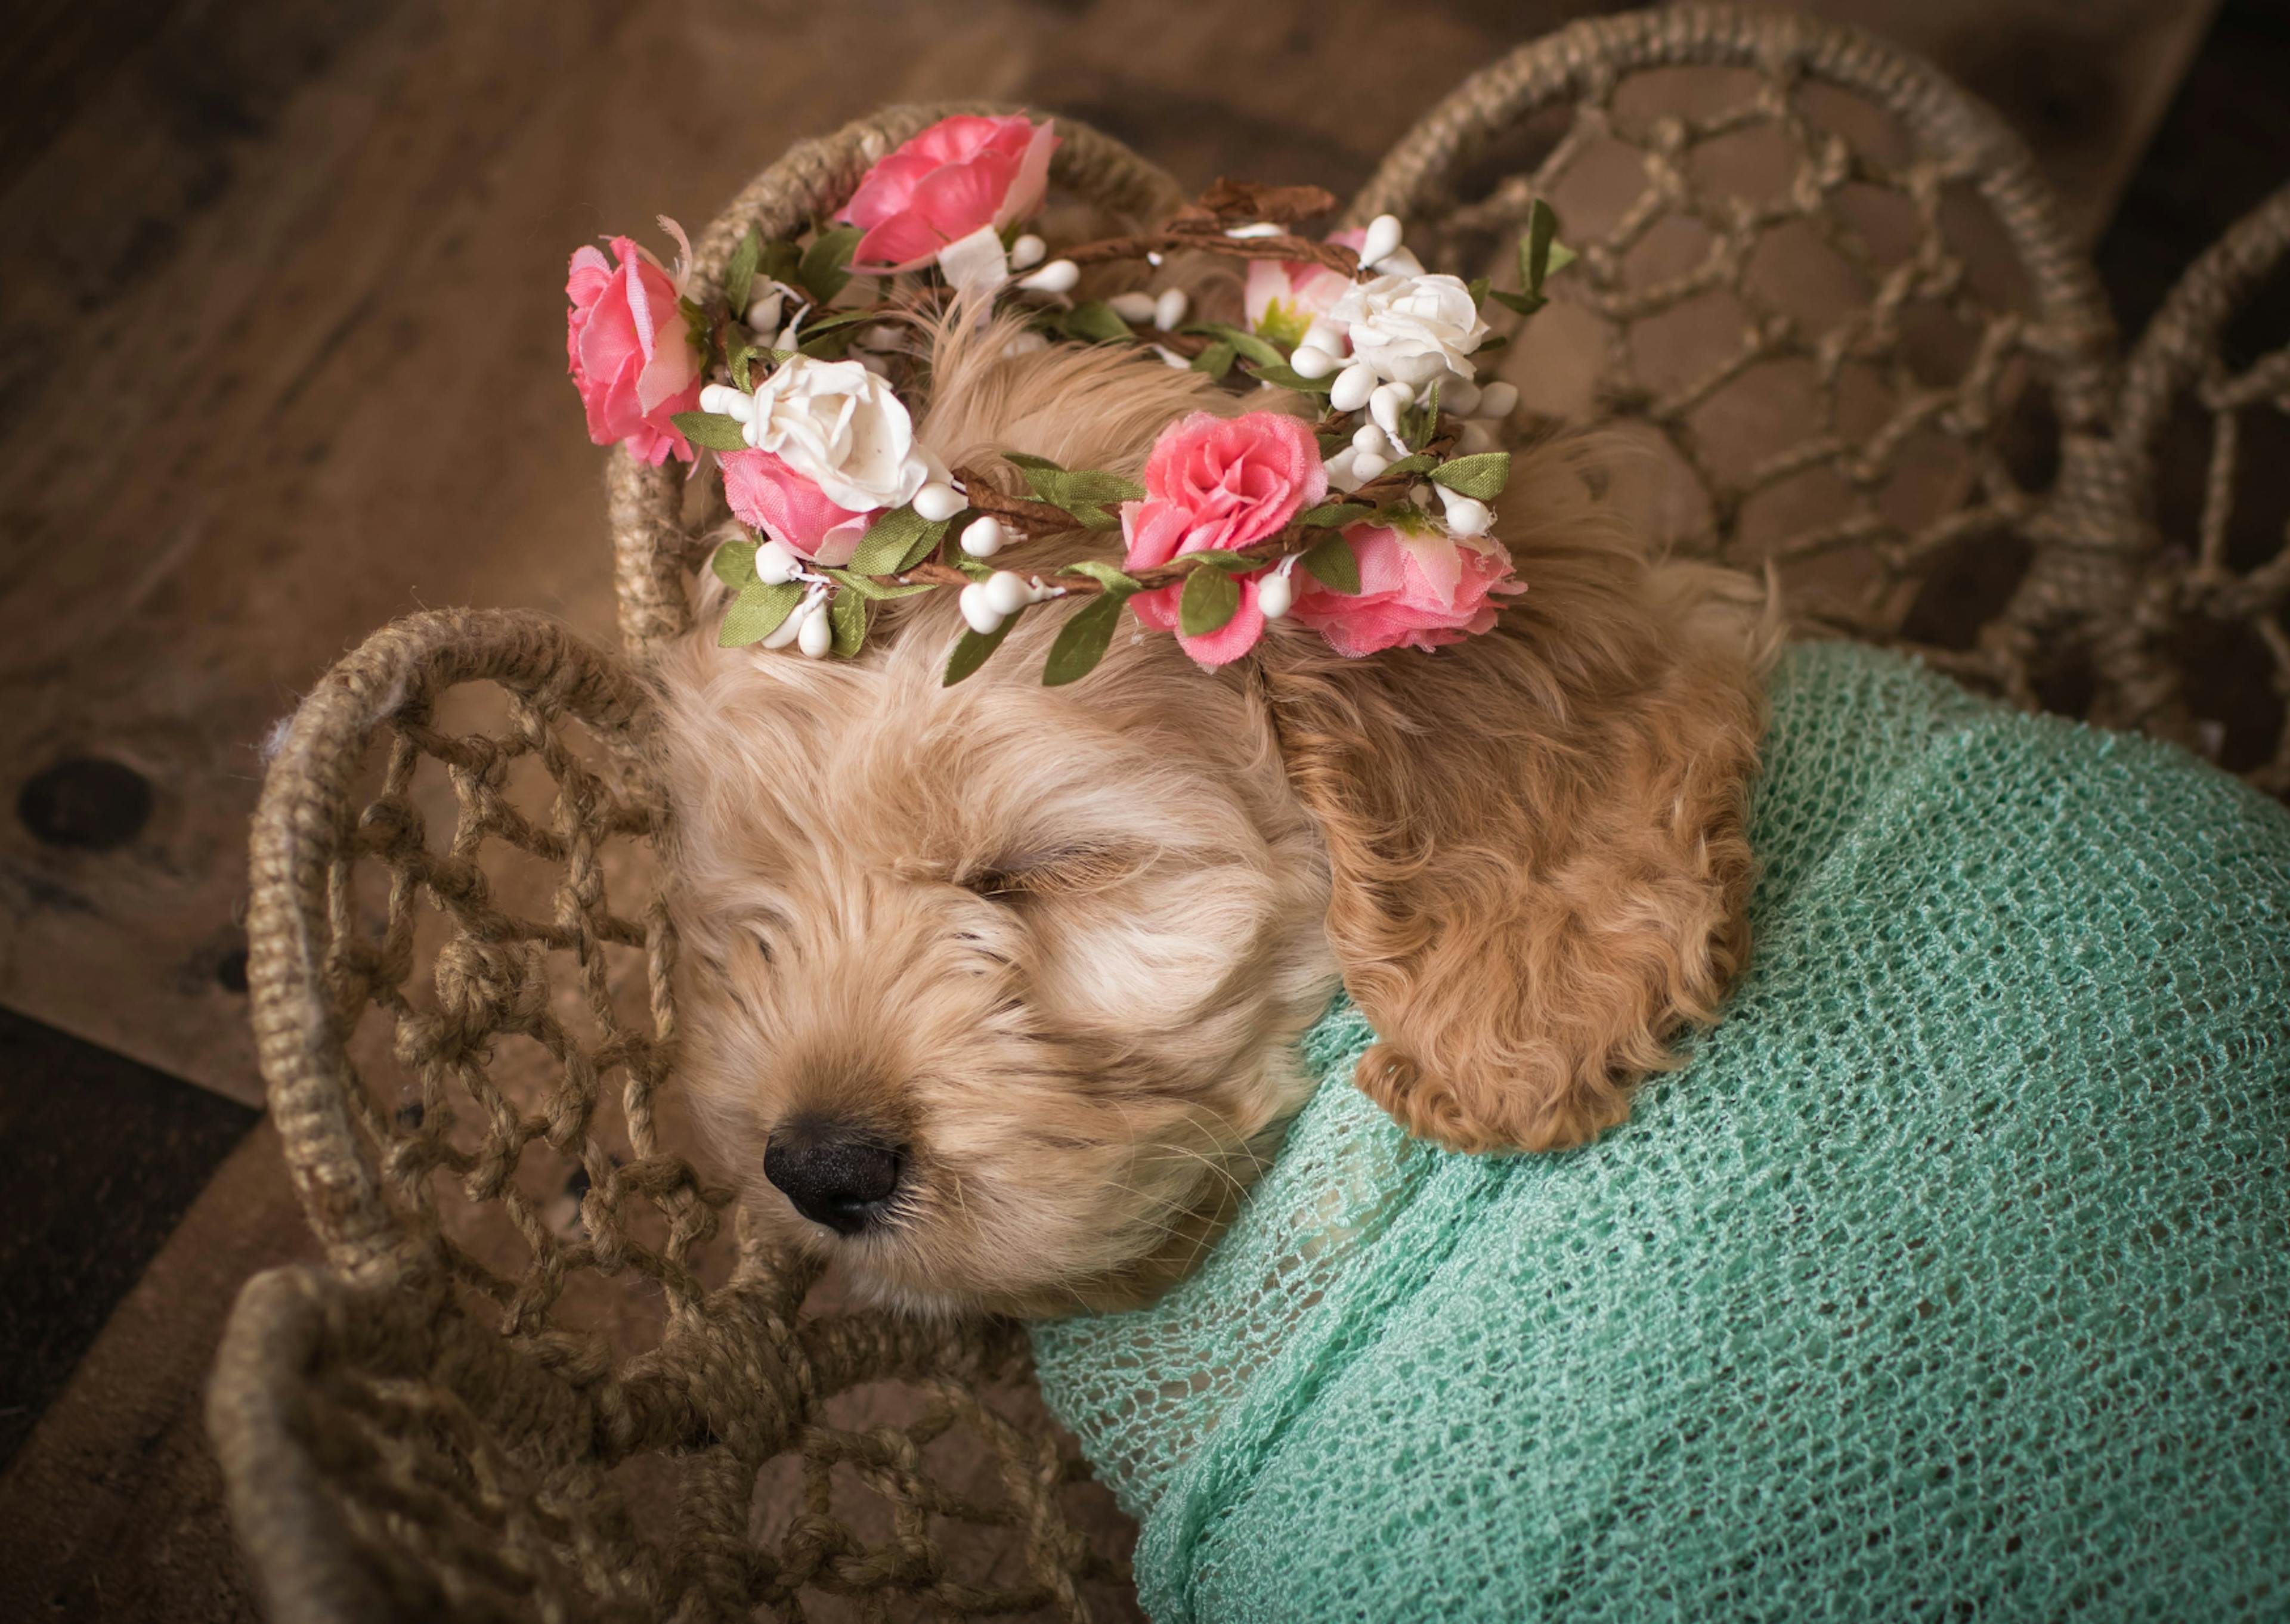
(1525,304)
(1483,475)
(877,591)
(1334,515)
(1419,462)
(1216,360)
(699,327)
(1423,419)
(757,612)
(740,275)
(1334,565)
(1477,288)
(734,563)
(1090,487)
(1534,246)
(838,321)
(1097,322)
(847,616)
(977,569)
(1211,597)
(1231,564)
(712,429)
(972,650)
(1493,340)
(1083,493)
(740,360)
(1289,378)
(1334,440)
(884,549)
(1026,460)
(779,261)
(927,541)
(1244,343)
(1081,641)
(826,268)
(1105,575)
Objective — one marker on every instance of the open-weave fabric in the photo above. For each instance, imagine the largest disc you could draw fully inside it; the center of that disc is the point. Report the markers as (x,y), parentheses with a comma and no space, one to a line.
(1949,1280)
(543,1374)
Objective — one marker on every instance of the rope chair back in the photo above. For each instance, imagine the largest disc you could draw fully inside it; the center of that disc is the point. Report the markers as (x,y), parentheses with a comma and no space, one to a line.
(545,1373)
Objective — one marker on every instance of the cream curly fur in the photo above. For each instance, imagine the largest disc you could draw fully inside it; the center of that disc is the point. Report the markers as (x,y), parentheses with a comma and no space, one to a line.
(1059,943)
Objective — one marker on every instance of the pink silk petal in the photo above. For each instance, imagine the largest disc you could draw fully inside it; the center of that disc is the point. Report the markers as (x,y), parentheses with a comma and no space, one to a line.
(903,243)
(586,275)
(1158,608)
(835,547)
(961,197)
(1438,564)
(886,188)
(950,140)
(1023,200)
(1153,531)
(608,346)
(673,366)
(768,495)
(640,305)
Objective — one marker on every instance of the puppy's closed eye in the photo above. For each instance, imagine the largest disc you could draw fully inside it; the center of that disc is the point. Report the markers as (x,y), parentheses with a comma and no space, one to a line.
(1057,871)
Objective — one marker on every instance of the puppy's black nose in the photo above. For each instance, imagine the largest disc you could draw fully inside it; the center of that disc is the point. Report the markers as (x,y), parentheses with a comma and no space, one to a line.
(835,1173)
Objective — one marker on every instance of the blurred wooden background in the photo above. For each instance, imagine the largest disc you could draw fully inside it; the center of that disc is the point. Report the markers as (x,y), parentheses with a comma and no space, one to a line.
(280,357)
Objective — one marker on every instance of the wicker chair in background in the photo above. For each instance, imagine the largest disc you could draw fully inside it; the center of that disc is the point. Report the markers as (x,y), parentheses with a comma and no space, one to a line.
(545,1375)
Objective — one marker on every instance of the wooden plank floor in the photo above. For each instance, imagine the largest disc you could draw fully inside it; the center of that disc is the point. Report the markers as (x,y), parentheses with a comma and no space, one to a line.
(282,359)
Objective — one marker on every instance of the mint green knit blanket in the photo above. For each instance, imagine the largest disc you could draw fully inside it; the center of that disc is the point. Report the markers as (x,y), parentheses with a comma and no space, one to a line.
(1951,1279)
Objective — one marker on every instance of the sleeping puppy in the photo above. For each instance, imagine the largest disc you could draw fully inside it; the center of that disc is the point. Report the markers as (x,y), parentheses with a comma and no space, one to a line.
(997,988)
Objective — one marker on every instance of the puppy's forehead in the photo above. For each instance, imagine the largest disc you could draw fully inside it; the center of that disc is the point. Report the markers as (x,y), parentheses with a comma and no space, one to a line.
(879,761)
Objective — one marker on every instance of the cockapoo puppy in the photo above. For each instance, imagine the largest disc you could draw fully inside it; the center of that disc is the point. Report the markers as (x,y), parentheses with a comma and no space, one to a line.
(997,988)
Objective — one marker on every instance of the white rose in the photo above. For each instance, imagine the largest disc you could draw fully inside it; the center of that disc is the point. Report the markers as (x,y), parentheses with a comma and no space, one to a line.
(1411,330)
(840,426)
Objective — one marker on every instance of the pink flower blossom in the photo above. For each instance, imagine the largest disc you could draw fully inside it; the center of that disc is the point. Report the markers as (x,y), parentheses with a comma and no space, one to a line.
(628,352)
(1283,295)
(1217,484)
(768,495)
(1419,588)
(961,173)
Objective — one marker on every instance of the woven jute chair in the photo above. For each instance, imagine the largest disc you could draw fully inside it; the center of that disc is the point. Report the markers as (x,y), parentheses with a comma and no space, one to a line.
(545,1373)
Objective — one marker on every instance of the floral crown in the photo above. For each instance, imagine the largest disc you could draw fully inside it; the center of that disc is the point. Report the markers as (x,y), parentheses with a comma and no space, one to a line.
(1368,522)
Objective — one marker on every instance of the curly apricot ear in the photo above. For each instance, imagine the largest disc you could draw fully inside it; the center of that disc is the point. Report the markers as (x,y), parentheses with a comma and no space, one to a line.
(1535,836)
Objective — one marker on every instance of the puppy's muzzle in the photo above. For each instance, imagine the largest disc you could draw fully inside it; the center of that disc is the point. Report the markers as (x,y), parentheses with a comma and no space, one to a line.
(835,1172)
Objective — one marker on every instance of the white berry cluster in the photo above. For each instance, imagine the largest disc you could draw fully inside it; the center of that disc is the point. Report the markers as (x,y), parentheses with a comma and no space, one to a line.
(1390,340)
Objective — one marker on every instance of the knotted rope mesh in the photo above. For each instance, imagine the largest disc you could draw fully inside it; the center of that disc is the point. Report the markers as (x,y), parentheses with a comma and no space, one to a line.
(548,1375)
(1833,297)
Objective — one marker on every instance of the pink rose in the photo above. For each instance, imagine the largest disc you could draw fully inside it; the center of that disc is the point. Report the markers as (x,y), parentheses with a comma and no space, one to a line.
(960,174)
(1421,589)
(1218,485)
(772,497)
(629,351)
(1283,295)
